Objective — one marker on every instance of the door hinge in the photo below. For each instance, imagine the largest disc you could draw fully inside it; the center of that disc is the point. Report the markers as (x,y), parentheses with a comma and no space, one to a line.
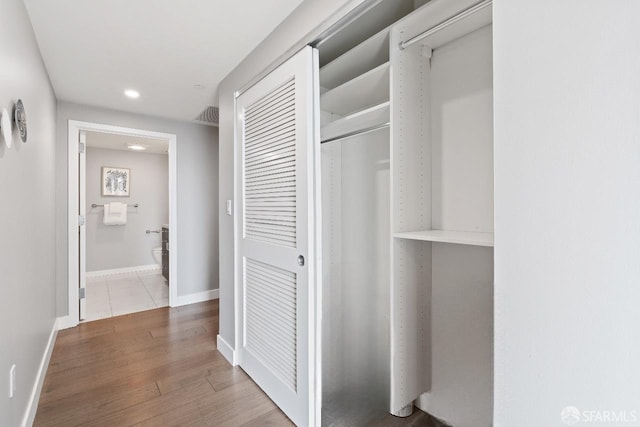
(82,293)
(81,147)
(81,220)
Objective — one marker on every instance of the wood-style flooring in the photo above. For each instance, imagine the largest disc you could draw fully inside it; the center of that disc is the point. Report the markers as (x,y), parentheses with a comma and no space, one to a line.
(156,368)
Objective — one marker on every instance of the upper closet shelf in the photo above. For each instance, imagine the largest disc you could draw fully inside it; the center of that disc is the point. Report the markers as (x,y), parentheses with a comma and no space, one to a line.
(460,237)
(370,88)
(367,55)
(367,120)
(437,26)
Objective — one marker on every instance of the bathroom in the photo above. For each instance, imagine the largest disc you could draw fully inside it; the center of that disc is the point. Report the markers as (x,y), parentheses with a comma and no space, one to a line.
(127,215)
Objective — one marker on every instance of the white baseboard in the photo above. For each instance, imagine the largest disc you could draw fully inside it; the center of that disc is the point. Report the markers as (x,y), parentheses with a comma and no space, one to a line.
(65,322)
(226,350)
(197,297)
(134,269)
(32,404)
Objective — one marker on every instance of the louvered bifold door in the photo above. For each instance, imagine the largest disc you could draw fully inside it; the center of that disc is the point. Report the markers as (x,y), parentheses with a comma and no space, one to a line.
(276,140)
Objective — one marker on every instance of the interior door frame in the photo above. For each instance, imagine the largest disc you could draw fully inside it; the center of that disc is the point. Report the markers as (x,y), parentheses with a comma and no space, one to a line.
(82,211)
(315,245)
(73,237)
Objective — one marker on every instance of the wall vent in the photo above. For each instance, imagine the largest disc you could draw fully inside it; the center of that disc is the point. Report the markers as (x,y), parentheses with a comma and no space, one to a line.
(209,115)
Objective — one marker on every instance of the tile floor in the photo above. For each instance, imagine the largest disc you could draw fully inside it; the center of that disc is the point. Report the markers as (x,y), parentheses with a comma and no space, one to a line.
(117,294)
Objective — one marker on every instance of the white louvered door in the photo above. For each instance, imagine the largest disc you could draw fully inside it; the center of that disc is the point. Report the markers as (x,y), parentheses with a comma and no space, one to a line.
(275,129)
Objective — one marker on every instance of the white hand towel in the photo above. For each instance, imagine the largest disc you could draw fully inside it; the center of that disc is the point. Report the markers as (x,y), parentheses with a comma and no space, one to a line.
(115,215)
(115,208)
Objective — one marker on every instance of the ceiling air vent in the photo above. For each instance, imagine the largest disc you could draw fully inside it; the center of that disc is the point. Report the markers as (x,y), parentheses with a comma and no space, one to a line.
(210,116)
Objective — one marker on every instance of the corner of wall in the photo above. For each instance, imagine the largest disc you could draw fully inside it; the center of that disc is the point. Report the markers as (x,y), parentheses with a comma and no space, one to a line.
(34,397)
(227,351)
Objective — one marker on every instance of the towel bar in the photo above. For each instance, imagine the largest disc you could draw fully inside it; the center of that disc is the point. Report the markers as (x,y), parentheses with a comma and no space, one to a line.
(94,205)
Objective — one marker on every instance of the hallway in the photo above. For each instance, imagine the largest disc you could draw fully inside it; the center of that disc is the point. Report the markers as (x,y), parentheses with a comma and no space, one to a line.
(158,367)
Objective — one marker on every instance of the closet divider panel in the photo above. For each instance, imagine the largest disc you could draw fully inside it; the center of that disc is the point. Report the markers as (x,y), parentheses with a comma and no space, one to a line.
(276,139)
(410,210)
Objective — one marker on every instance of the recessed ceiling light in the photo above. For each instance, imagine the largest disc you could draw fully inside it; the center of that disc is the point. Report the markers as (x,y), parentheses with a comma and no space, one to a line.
(131,93)
(137,147)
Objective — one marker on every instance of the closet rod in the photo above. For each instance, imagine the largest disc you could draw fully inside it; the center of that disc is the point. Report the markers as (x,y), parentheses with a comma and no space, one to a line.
(355,133)
(444,24)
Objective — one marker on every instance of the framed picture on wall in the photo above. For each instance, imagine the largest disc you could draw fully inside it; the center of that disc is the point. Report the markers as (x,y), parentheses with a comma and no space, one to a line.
(116,181)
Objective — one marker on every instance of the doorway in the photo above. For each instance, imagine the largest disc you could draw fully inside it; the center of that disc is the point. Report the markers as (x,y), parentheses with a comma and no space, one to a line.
(119,232)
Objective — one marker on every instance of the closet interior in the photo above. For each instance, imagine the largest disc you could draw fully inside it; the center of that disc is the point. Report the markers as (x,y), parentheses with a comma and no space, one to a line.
(442,212)
(407,213)
(355,114)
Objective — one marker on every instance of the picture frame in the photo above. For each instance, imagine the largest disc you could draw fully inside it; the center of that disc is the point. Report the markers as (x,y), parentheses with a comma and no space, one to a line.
(116,182)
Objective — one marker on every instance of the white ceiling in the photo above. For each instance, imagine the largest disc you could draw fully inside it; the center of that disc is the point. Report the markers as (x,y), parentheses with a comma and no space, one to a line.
(114,141)
(94,50)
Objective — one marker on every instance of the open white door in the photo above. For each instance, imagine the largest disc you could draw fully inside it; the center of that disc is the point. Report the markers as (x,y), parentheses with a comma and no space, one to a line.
(82,230)
(276,136)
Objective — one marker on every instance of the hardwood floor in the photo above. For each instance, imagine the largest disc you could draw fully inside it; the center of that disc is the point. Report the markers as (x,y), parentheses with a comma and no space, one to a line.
(156,368)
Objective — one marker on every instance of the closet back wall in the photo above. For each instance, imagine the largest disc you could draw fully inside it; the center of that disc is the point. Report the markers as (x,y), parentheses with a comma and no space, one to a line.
(110,247)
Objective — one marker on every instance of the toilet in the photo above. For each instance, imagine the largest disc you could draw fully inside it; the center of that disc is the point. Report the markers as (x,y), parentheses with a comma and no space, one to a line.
(157,255)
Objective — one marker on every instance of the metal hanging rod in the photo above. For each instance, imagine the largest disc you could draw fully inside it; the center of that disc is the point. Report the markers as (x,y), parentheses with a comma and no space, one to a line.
(444,24)
(94,205)
(355,133)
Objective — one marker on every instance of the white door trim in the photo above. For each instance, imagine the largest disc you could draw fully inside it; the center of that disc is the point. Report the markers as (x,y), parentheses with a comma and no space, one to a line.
(315,306)
(73,249)
(82,206)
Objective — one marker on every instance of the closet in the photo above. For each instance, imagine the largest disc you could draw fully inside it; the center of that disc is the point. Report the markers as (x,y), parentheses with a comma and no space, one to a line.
(355,175)
(407,218)
(442,212)
(365,225)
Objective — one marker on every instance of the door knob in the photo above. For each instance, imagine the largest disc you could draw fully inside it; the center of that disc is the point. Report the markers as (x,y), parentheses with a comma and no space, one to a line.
(300,260)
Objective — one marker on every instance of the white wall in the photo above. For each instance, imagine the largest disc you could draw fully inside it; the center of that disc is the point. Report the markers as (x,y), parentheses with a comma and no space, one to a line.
(296,29)
(567,209)
(110,247)
(27,230)
(197,180)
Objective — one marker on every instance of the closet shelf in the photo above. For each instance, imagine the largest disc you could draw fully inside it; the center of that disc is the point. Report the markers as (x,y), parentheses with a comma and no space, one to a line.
(368,89)
(472,238)
(367,55)
(370,118)
(439,36)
